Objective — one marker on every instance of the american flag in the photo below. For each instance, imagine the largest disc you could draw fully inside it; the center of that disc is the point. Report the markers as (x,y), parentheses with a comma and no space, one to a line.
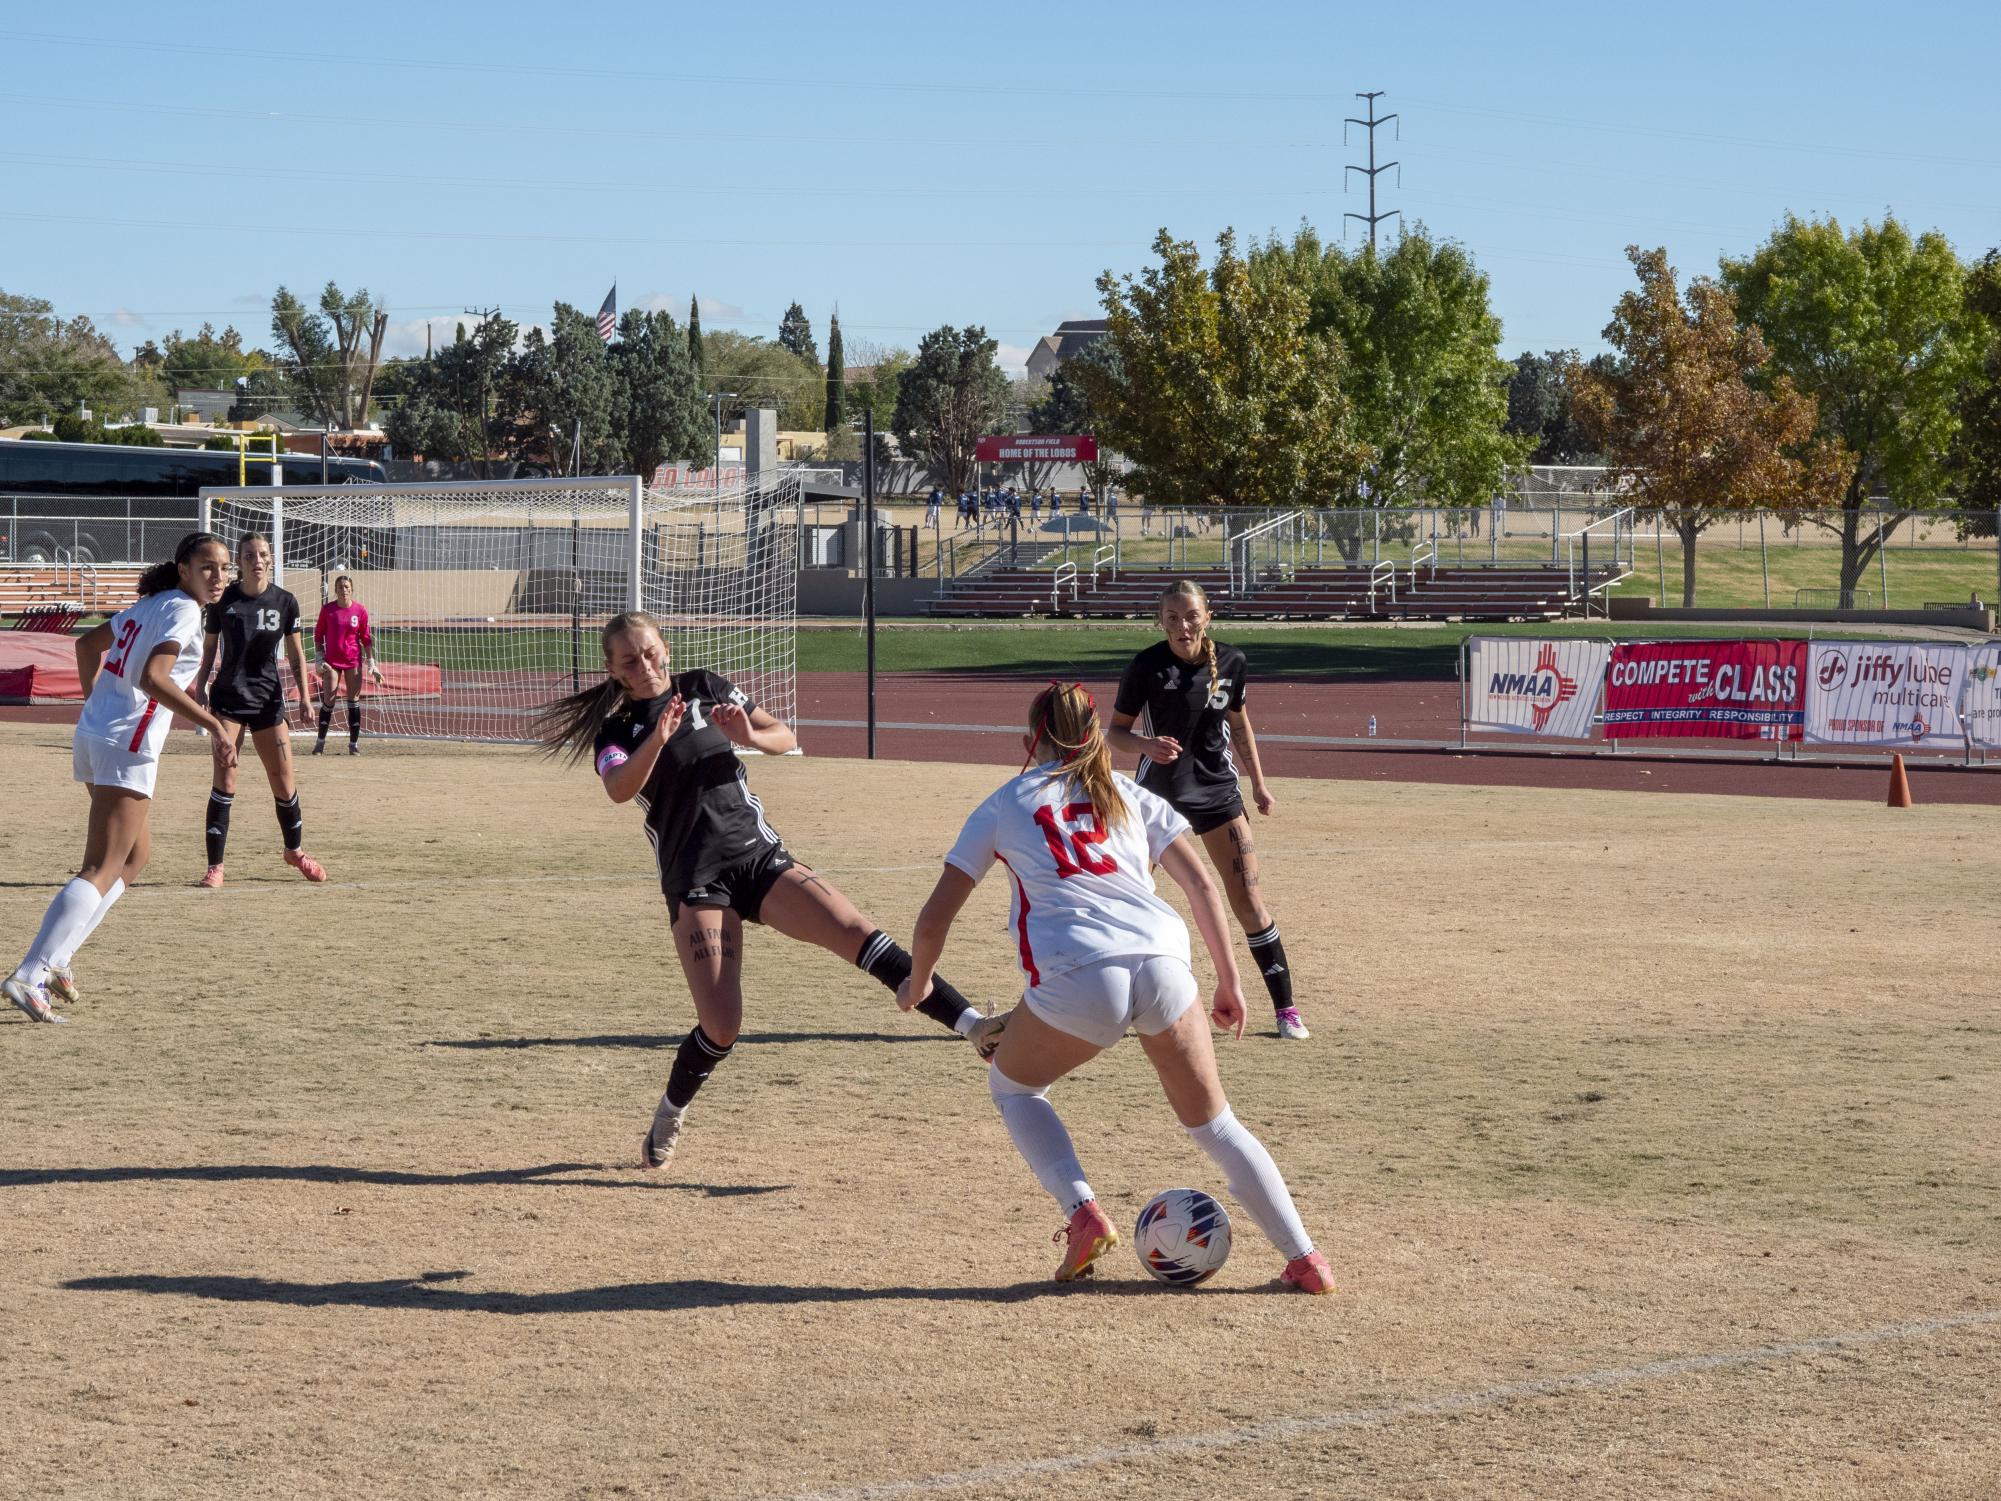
(608,314)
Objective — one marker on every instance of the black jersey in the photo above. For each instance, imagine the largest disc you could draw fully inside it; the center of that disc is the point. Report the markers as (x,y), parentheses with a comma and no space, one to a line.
(700,812)
(1174,698)
(253,628)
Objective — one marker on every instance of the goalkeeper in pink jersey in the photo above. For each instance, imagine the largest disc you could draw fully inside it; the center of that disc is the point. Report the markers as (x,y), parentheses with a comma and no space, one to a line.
(347,648)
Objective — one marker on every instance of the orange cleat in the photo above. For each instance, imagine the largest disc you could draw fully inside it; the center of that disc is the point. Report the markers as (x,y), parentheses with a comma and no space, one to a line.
(304,864)
(1309,1273)
(1091,1235)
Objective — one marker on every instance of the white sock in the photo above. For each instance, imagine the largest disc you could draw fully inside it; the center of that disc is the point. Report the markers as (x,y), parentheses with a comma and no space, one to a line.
(1254,1181)
(1040,1138)
(62,927)
(104,905)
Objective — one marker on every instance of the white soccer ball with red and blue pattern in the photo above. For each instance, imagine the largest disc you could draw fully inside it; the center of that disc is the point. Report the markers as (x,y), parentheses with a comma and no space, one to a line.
(1183,1237)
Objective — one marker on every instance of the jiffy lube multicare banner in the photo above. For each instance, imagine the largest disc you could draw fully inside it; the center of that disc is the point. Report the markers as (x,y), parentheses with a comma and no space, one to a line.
(1525,687)
(1737,690)
(1901,693)
(1980,696)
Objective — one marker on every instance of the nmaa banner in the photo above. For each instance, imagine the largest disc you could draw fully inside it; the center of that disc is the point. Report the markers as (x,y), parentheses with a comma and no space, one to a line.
(1903,693)
(1527,687)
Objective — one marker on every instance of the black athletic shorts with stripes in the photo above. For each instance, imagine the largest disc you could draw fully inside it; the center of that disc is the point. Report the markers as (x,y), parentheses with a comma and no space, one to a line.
(1207,816)
(742,888)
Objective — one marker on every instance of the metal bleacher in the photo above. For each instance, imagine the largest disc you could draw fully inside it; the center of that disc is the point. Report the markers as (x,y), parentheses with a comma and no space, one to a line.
(41,593)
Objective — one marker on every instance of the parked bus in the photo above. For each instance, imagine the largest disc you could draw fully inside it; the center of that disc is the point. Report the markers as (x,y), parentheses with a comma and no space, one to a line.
(31,468)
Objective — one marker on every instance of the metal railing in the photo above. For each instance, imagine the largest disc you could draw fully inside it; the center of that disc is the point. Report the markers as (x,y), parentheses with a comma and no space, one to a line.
(1104,560)
(1272,534)
(1613,533)
(1424,553)
(1066,573)
(1384,573)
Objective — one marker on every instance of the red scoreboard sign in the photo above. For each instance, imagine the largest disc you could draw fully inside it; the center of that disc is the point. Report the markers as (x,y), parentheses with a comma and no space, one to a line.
(1037,448)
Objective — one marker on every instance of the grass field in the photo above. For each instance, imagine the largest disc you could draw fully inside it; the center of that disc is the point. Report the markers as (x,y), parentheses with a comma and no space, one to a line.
(1656,1142)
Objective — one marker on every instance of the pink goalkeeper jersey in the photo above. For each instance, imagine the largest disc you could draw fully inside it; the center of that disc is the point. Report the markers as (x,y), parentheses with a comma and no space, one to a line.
(1082,893)
(342,635)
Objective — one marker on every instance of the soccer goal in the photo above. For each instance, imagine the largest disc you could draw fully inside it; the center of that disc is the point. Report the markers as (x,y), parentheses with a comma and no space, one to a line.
(486,597)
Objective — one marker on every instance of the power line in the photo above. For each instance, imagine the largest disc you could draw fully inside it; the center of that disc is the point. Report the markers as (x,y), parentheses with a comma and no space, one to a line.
(1372,218)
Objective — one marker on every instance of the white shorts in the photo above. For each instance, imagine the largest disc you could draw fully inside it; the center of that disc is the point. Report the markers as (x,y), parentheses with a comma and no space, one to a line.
(1146,992)
(106,763)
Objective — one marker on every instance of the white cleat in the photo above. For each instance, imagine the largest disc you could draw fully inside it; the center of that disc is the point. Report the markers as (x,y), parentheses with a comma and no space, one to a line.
(661,1136)
(62,985)
(32,999)
(1292,1026)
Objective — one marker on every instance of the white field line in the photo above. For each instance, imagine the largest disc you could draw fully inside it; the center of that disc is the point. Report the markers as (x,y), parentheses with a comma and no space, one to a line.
(1284,1430)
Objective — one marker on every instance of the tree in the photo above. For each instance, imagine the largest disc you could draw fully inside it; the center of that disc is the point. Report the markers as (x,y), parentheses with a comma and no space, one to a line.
(1873,325)
(207,362)
(1540,407)
(450,401)
(951,396)
(50,364)
(1216,386)
(658,402)
(563,397)
(795,332)
(1423,371)
(1684,419)
(262,390)
(764,374)
(697,361)
(326,364)
(1976,455)
(1066,409)
(835,418)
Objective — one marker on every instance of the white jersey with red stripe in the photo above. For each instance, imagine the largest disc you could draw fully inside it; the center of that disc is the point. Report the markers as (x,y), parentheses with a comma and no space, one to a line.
(118,710)
(1082,893)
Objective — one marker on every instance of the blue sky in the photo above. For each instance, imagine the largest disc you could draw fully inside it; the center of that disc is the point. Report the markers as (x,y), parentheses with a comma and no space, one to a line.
(927,164)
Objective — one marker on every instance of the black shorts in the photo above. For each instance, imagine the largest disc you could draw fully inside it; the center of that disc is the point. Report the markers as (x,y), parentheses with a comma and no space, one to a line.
(1207,816)
(742,888)
(268,717)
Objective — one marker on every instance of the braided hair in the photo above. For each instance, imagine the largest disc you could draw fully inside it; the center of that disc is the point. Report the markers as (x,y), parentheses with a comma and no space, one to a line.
(1188,588)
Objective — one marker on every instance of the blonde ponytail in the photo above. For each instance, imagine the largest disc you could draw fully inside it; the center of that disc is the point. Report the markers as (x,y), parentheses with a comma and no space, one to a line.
(1067,717)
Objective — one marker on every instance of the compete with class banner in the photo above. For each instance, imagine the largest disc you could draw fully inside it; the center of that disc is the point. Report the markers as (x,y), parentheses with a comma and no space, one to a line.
(1902,693)
(1980,695)
(1526,687)
(1731,690)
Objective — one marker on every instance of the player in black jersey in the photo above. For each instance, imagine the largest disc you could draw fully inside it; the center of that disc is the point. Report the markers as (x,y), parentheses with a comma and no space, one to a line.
(253,621)
(668,740)
(1188,691)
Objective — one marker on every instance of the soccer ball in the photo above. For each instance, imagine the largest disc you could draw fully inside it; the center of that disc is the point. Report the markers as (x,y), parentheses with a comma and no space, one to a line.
(1183,1237)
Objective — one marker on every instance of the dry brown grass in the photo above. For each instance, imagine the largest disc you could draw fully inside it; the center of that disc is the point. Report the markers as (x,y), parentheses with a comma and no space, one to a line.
(326,1192)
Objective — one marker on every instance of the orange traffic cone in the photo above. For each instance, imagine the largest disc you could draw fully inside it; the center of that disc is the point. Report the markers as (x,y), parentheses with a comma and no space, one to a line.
(1900,784)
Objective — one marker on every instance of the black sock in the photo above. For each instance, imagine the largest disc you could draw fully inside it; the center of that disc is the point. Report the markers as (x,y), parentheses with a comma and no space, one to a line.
(693,1064)
(1269,953)
(291,822)
(217,829)
(883,958)
(353,721)
(326,719)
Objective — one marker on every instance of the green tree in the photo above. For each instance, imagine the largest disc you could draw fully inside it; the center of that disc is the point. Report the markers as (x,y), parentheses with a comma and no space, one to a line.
(1541,407)
(454,404)
(1683,419)
(1976,456)
(697,359)
(1066,409)
(764,374)
(260,392)
(835,418)
(1873,325)
(50,364)
(1423,370)
(658,402)
(951,396)
(330,356)
(207,362)
(564,397)
(795,333)
(1216,385)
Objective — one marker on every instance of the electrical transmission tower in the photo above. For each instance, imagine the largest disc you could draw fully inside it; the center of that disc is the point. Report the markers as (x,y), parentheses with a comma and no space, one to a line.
(1372,218)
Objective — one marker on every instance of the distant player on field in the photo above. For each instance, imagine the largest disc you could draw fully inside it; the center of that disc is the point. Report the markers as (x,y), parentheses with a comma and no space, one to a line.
(1103,953)
(668,740)
(249,625)
(346,646)
(1188,691)
(132,666)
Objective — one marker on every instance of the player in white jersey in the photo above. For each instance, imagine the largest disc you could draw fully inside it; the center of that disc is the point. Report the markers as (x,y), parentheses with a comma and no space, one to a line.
(1102,953)
(135,670)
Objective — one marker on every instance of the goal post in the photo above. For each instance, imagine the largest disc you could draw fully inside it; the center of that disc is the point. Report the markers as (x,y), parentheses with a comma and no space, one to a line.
(486,598)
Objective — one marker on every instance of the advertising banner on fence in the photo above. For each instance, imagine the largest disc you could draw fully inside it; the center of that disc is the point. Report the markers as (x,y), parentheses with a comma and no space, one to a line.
(1902,693)
(1728,690)
(1036,448)
(1523,687)
(1980,698)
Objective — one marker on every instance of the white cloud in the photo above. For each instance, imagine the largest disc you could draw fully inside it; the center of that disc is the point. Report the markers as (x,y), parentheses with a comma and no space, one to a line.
(124,317)
(407,336)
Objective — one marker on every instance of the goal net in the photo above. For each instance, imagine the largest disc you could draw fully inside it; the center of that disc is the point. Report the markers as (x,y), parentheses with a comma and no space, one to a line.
(486,598)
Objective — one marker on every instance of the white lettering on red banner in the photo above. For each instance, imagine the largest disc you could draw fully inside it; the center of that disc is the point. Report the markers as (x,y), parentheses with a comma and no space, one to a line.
(1037,448)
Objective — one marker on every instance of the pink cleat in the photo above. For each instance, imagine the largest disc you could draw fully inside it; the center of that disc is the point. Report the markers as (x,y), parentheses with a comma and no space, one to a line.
(303,863)
(213,880)
(1309,1273)
(1091,1235)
